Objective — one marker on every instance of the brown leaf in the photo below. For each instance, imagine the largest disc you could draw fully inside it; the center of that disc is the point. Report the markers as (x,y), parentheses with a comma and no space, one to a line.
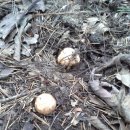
(97,123)
(4,73)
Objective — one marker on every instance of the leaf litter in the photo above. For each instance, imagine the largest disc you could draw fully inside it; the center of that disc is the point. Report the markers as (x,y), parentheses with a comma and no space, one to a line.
(94,94)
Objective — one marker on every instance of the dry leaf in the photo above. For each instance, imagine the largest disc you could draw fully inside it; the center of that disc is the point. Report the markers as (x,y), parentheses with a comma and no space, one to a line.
(101,28)
(26,50)
(97,123)
(95,25)
(8,23)
(124,77)
(2,44)
(4,73)
(92,21)
(109,97)
(31,40)
(125,108)
(74,103)
(8,50)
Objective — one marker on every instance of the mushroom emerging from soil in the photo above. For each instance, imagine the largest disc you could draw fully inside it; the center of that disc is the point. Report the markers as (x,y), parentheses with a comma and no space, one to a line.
(45,104)
(68,57)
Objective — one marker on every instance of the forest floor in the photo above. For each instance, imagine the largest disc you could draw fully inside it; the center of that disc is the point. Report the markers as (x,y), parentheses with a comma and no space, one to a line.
(92,95)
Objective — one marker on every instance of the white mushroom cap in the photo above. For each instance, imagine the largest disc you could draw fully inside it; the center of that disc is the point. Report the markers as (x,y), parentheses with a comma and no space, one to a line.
(68,57)
(45,104)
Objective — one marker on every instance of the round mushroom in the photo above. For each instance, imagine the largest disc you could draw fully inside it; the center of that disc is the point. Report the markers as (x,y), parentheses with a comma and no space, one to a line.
(45,104)
(68,57)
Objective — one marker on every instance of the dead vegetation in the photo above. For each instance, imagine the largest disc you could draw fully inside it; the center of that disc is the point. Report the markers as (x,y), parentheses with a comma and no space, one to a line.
(92,95)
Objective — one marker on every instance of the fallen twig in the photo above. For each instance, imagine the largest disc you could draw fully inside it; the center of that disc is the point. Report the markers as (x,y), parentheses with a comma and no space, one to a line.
(40,119)
(18,96)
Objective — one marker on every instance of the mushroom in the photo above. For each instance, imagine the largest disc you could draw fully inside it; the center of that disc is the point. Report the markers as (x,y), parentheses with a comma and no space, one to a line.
(45,104)
(68,57)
